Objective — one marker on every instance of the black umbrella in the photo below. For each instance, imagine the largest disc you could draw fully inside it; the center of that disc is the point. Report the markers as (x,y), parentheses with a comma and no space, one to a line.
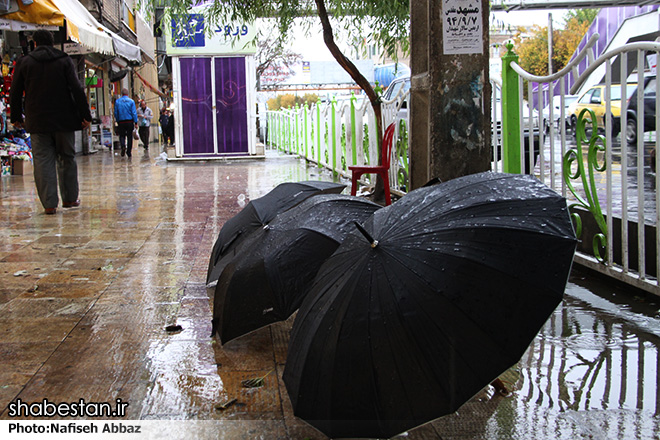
(272,271)
(446,293)
(259,212)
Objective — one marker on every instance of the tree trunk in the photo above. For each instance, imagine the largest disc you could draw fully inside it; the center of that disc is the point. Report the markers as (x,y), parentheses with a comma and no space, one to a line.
(359,79)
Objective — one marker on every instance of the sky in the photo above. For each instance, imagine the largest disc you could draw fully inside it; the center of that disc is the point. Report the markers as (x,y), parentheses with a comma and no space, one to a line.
(527,18)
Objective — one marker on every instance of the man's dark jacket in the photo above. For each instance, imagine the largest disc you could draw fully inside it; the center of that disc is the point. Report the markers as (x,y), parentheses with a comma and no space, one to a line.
(54,98)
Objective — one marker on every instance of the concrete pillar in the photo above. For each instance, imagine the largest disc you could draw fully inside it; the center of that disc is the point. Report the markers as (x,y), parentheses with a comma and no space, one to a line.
(450,89)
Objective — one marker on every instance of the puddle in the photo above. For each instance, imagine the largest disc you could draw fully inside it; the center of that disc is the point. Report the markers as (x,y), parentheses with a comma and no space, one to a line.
(592,372)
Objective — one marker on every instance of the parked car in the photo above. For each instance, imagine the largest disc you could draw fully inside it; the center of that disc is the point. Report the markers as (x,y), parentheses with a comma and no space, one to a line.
(403,84)
(594,99)
(556,111)
(399,85)
(649,110)
(395,86)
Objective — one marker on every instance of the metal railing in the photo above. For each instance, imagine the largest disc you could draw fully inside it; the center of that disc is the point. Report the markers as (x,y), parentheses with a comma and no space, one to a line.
(594,165)
(341,133)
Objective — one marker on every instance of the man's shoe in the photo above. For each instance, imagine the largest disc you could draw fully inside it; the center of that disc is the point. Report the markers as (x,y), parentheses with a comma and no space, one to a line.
(50,211)
(71,204)
(123,151)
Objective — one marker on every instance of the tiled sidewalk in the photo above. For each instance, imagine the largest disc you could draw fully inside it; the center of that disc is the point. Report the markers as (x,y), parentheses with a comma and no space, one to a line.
(86,294)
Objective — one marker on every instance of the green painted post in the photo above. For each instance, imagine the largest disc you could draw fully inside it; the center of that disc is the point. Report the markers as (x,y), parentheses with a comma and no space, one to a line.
(276,130)
(282,127)
(318,132)
(333,109)
(289,131)
(353,128)
(285,131)
(297,137)
(272,132)
(510,114)
(305,124)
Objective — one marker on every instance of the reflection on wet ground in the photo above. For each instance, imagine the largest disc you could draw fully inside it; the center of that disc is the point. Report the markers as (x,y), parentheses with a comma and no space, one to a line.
(86,295)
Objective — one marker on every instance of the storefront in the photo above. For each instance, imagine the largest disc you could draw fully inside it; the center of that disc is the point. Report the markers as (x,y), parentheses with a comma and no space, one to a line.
(97,52)
(214,88)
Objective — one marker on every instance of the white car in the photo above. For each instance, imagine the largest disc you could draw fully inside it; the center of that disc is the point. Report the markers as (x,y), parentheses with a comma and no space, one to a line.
(556,111)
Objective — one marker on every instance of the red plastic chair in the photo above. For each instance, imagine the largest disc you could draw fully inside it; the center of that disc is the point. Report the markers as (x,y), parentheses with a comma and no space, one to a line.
(381,170)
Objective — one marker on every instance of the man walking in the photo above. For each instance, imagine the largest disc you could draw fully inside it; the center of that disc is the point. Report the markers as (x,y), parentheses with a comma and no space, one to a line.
(55,107)
(126,117)
(144,115)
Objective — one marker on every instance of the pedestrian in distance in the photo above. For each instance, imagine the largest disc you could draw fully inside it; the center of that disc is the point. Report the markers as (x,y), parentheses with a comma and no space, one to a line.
(55,107)
(163,120)
(170,128)
(126,118)
(144,115)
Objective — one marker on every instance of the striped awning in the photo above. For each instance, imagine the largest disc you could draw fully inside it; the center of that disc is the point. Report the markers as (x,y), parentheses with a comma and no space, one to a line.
(81,26)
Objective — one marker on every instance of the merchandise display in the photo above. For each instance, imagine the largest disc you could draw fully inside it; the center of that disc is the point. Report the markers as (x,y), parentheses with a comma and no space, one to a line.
(14,147)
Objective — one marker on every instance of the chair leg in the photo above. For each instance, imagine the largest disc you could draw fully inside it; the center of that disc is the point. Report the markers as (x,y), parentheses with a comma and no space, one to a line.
(386,184)
(354,183)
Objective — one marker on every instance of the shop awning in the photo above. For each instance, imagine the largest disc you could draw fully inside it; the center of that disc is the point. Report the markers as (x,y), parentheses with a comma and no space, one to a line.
(89,30)
(81,26)
(39,12)
(126,50)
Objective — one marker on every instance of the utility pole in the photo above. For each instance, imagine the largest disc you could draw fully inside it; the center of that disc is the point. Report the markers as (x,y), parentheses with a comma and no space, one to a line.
(550,43)
(450,89)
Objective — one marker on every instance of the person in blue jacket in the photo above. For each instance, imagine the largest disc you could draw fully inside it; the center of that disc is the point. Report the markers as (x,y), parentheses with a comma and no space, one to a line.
(126,118)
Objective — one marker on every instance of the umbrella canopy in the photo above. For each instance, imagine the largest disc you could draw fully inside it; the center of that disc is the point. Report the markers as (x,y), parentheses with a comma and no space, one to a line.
(258,213)
(270,275)
(448,291)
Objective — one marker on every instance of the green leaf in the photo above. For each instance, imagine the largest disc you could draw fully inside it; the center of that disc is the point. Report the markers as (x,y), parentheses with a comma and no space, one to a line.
(255,382)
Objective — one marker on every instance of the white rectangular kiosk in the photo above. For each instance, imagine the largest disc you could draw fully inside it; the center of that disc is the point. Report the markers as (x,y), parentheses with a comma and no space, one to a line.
(214,87)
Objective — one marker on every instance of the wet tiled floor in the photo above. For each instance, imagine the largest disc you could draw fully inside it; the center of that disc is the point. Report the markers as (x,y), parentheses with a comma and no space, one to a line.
(86,294)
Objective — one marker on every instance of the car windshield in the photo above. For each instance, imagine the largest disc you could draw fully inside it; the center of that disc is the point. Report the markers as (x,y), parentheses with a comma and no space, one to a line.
(394,88)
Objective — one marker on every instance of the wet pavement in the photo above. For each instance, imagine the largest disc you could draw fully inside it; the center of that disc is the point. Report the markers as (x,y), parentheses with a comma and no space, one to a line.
(86,294)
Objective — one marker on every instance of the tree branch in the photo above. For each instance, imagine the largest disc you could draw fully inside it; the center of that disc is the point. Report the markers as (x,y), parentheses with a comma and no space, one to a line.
(361,81)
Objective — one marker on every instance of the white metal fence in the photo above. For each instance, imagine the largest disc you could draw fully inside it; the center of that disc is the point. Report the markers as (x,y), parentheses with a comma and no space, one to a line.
(342,133)
(610,183)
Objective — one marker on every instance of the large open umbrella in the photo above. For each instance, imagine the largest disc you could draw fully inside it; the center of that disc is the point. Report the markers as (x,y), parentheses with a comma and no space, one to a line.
(270,274)
(259,212)
(438,295)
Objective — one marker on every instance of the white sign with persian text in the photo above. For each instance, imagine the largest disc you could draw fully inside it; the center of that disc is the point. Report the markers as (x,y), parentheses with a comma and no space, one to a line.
(462,27)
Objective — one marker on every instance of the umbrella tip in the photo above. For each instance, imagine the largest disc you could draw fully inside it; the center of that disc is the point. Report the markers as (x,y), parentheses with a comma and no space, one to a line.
(364,232)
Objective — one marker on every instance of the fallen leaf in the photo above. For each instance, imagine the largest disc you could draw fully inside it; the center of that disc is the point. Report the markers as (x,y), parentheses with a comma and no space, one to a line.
(255,382)
(223,406)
